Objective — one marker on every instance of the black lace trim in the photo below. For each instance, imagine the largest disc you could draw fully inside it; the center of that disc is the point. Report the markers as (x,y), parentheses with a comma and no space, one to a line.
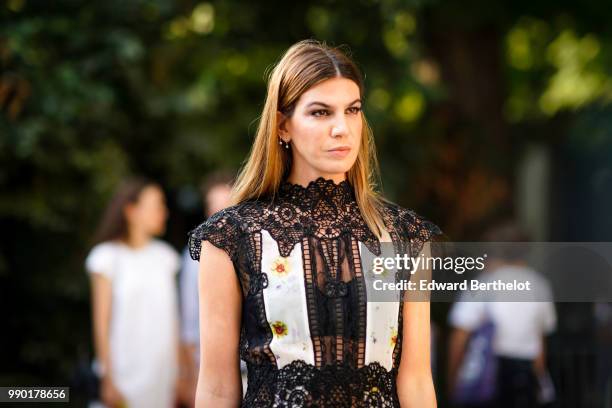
(300,384)
(322,209)
(341,194)
(408,229)
(221,229)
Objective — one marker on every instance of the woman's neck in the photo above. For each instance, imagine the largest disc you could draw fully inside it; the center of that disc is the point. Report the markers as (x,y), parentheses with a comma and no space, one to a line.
(303,178)
(137,239)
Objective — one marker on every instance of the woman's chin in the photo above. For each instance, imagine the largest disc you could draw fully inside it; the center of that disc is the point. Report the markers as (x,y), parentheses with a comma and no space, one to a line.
(337,167)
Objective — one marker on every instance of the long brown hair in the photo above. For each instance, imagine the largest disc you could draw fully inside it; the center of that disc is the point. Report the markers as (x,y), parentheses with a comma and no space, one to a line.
(304,65)
(113,225)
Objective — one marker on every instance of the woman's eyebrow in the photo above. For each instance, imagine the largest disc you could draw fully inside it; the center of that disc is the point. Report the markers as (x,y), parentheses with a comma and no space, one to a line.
(329,106)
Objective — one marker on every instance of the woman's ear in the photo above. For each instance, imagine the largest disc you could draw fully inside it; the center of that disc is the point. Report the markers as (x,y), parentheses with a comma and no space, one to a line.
(281,123)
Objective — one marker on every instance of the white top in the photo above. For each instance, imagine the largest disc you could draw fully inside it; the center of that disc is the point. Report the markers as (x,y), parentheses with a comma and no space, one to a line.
(144,319)
(519,326)
(190,327)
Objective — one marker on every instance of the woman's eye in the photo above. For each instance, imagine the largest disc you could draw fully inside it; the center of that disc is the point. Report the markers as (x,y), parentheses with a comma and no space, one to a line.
(324,112)
(320,112)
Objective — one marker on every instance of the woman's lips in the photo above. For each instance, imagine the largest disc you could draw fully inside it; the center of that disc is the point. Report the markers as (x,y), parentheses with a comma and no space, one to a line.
(339,152)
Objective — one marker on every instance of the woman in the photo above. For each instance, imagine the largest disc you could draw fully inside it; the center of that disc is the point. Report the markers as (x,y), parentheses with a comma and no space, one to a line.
(135,311)
(281,271)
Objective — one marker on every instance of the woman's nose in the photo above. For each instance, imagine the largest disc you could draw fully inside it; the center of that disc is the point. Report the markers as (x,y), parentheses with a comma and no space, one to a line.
(339,129)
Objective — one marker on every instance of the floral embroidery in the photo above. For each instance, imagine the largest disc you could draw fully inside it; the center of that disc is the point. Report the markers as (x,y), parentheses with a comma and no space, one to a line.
(279,329)
(393,340)
(280,266)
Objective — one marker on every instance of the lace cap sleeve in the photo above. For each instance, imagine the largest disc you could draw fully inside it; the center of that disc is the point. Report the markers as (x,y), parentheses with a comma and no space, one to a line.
(418,230)
(221,229)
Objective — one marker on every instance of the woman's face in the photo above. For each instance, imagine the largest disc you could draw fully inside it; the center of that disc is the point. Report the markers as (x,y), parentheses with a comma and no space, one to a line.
(324,131)
(149,213)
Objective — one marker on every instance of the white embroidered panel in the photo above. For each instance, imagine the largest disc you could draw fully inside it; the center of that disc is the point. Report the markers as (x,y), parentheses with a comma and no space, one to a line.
(285,302)
(382,321)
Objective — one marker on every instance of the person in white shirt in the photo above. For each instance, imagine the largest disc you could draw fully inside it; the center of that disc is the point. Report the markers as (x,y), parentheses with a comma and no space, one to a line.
(134,300)
(520,327)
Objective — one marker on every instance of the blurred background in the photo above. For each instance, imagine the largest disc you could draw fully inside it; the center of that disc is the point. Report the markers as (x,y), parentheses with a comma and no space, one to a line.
(479,109)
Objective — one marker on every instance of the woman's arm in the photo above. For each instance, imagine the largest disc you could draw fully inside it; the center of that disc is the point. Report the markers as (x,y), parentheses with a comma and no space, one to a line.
(539,363)
(219,381)
(101,296)
(414,380)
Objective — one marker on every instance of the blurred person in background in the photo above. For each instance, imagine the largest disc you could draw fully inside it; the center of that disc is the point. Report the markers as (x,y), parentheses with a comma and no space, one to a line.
(520,328)
(216,190)
(134,300)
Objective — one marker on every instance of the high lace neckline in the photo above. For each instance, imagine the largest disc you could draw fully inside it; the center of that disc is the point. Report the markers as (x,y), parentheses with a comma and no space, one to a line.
(319,189)
(323,209)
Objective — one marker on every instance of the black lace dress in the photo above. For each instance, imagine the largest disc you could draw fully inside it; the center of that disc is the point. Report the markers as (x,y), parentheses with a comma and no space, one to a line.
(309,336)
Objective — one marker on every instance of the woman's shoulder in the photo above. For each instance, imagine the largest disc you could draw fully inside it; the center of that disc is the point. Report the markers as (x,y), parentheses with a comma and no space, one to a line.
(105,248)
(404,214)
(101,257)
(224,228)
(230,219)
(409,224)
